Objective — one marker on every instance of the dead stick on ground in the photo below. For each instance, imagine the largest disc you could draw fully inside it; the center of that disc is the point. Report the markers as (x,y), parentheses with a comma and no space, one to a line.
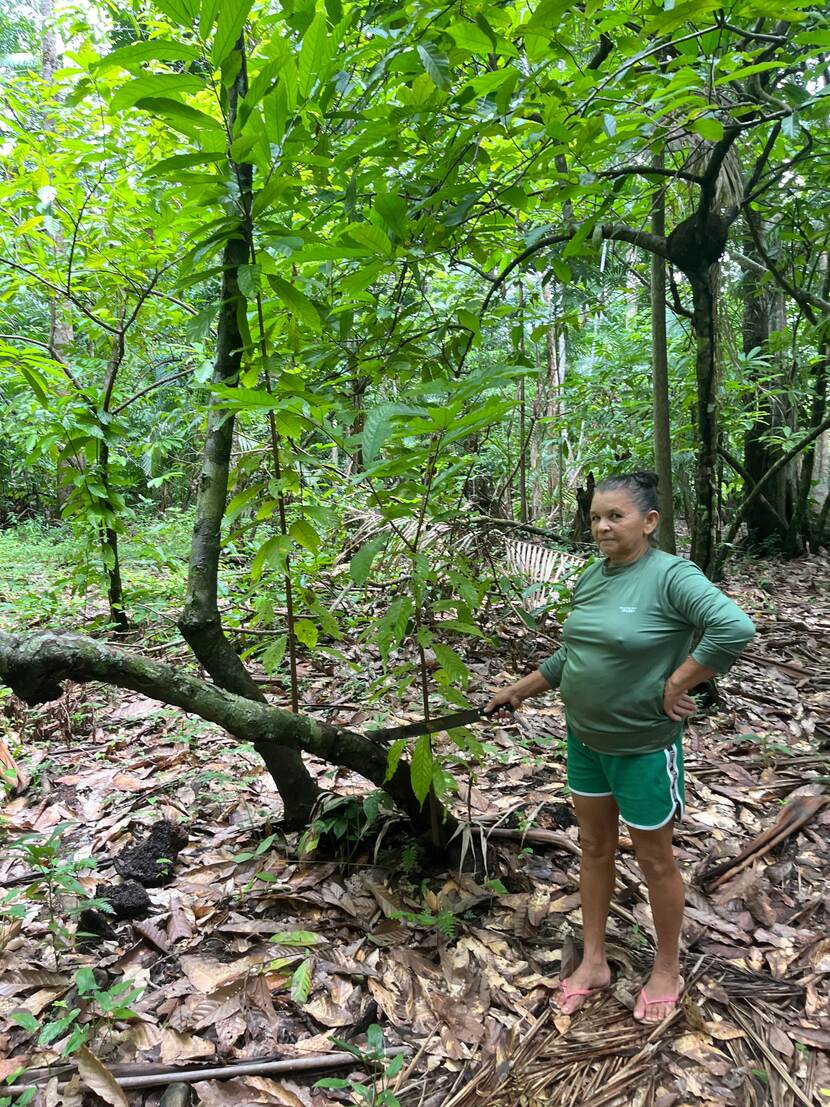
(795,815)
(227,1072)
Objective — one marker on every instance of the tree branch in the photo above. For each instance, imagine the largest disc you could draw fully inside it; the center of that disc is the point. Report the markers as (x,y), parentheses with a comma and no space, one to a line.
(800,295)
(150,388)
(756,491)
(61,292)
(652,171)
(745,475)
(34,667)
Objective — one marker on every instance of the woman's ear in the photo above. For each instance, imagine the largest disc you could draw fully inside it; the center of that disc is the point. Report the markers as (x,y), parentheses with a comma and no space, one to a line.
(651,520)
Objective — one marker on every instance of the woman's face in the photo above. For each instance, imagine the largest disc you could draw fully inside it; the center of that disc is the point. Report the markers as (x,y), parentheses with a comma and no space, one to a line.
(619,528)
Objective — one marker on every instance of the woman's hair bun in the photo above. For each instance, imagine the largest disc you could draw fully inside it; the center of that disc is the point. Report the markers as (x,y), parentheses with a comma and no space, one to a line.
(646,478)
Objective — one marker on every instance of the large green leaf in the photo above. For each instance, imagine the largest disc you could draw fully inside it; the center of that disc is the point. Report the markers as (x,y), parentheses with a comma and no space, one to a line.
(436,64)
(232,16)
(181,117)
(297,302)
(178,163)
(183,12)
(421,768)
(393,758)
(315,54)
(157,49)
(361,564)
(709,128)
(272,552)
(457,672)
(305,535)
(301,981)
(154,85)
(376,430)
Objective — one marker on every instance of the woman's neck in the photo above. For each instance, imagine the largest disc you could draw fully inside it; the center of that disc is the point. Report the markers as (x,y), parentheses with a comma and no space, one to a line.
(618,562)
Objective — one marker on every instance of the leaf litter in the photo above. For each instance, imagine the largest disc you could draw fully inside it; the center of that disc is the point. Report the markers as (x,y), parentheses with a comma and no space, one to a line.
(250,954)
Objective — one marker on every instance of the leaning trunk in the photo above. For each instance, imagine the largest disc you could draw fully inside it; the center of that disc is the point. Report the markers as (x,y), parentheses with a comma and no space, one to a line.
(200,622)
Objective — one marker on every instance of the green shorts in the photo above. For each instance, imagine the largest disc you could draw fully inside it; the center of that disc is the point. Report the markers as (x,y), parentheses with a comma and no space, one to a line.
(648,787)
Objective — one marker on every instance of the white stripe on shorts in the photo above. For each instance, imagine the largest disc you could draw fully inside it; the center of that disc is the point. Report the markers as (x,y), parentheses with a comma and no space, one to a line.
(674,779)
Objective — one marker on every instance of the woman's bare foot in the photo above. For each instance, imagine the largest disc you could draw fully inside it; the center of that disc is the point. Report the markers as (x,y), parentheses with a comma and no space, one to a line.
(580,985)
(660,996)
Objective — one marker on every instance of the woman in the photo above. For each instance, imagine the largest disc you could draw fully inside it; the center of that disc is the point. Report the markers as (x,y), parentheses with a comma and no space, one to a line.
(624,673)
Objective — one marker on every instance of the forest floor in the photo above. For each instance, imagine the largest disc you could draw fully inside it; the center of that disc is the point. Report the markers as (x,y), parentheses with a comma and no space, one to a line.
(249,954)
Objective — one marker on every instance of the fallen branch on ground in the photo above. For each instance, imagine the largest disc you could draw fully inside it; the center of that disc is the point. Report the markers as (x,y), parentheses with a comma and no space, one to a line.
(796,814)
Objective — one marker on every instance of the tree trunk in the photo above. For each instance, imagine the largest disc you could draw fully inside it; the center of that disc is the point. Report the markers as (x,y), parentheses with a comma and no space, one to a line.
(109,553)
(764,315)
(34,666)
(704,525)
(800,534)
(660,379)
(200,622)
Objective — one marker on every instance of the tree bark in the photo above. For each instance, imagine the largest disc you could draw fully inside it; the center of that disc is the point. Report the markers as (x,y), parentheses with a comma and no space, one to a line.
(763,316)
(703,284)
(660,379)
(200,622)
(34,666)
(801,530)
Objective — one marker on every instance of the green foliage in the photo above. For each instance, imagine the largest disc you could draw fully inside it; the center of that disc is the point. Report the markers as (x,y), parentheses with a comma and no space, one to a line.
(344,823)
(54,883)
(373,1055)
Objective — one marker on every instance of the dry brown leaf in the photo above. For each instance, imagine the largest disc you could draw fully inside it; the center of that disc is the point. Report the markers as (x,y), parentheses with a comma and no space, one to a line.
(779,1041)
(12,775)
(127,782)
(207,975)
(327,1013)
(98,1078)
(699,1048)
(178,926)
(538,907)
(183,1047)
(388,932)
(152,934)
(722,1031)
(229,1031)
(145,1036)
(9,1065)
(72,1095)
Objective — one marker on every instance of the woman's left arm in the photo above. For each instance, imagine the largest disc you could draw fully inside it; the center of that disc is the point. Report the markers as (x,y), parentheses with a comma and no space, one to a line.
(726,630)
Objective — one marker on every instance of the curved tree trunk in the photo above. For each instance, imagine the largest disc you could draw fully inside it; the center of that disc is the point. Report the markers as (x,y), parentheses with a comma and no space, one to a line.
(34,665)
(200,621)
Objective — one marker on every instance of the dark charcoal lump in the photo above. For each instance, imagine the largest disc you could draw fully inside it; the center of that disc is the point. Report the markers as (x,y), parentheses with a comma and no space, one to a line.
(128,901)
(151,861)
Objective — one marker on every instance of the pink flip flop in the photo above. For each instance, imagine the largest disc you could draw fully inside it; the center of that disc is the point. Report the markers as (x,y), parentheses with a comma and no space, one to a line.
(673,1000)
(572,993)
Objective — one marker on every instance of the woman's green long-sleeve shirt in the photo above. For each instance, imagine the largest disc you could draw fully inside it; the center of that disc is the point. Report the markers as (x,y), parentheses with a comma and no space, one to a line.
(629,629)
